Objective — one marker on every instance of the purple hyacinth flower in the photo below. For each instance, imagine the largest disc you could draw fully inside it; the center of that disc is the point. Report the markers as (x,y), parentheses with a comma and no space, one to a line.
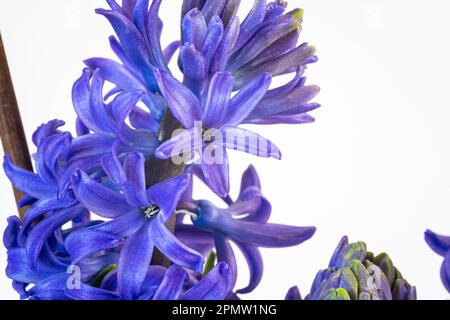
(212,41)
(41,190)
(265,42)
(245,224)
(137,45)
(161,284)
(107,124)
(292,101)
(441,245)
(212,124)
(138,216)
(50,278)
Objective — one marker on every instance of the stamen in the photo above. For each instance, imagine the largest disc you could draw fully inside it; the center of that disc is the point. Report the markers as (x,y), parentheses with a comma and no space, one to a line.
(186,212)
(208,135)
(152,211)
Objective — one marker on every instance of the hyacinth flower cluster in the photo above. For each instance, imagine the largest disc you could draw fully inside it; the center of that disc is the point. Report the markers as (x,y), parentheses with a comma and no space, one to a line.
(354,273)
(96,220)
(106,203)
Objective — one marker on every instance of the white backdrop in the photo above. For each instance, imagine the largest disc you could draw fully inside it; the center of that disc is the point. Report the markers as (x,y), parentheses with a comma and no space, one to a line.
(375,165)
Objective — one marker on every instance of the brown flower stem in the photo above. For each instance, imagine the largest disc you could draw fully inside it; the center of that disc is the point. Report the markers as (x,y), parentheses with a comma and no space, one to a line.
(157,171)
(11,128)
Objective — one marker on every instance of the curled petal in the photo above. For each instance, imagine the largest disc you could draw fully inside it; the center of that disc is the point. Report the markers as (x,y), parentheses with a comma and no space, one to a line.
(141,119)
(116,73)
(133,45)
(90,145)
(48,155)
(290,103)
(169,51)
(42,231)
(214,286)
(283,64)
(172,284)
(217,175)
(255,264)
(134,169)
(86,242)
(122,105)
(252,204)
(112,165)
(134,261)
(225,254)
(267,35)
(18,269)
(182,102)
(440,244)
(445,272)
(173,248)
(46,130)
(11,232)
(99,118)
(41,207)
(247,99)
(26,181)
(98,198)
(153,35)
(138,140)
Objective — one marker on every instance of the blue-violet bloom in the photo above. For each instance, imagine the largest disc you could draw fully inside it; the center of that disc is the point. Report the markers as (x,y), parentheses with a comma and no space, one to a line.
(441,245)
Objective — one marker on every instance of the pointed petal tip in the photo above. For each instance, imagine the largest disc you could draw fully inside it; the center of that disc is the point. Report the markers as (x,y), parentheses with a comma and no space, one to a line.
(438,243)
(311,230)
(102,11)
(192,13)
(223,268)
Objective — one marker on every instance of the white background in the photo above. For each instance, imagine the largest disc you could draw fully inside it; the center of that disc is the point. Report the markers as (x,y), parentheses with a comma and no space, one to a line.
(375,165)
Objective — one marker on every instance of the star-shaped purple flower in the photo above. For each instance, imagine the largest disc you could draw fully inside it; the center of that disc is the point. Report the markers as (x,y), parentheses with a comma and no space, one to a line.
(212,124)
(138,221)
(245,223)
